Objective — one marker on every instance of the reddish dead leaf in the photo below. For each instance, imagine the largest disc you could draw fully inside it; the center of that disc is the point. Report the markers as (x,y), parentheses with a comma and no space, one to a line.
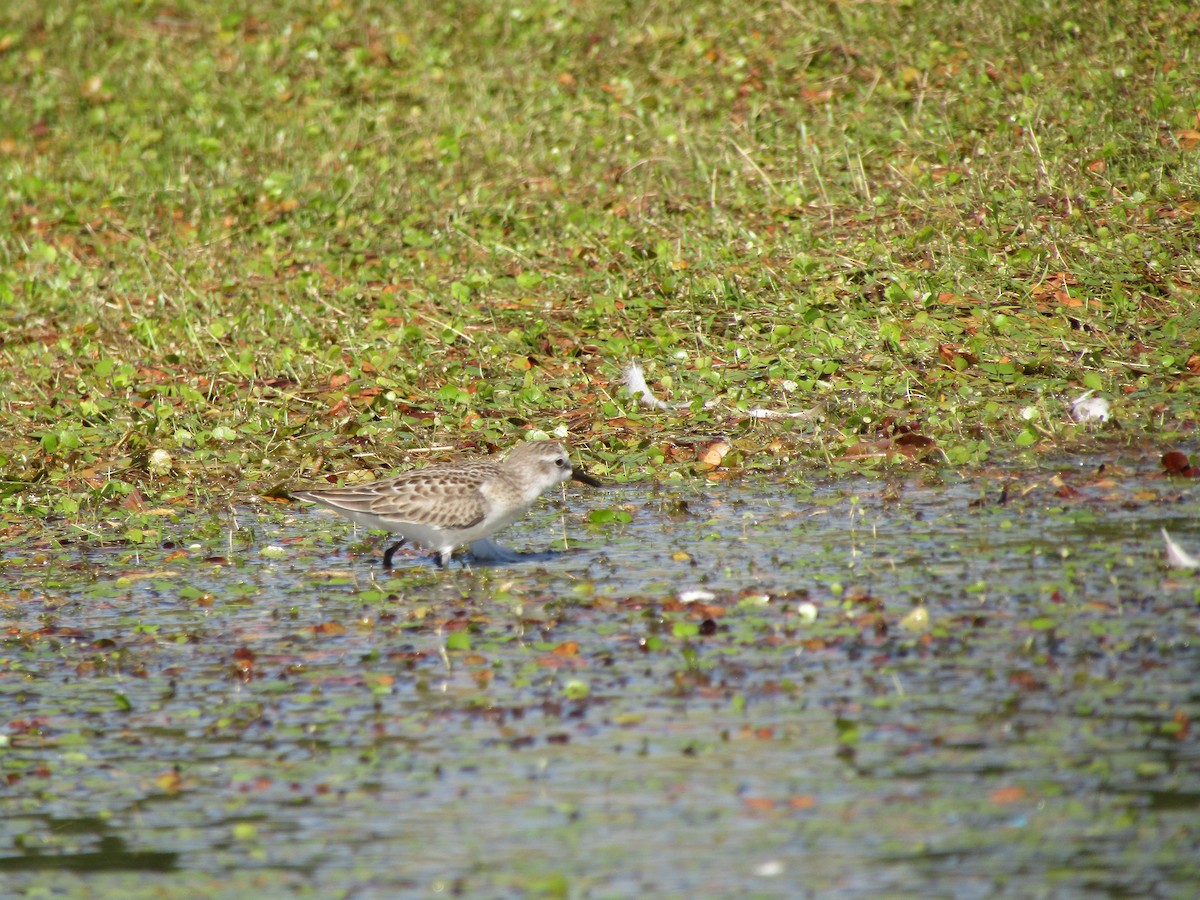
(1193,363)
(133,501)
(1184,724)
(955,357)
(764,734)
(338,381)
(1174,462)
(1025,680)
(332,628)
(1097,166)
(802,801)
(1007,795)
(914,445)
(1064,490)
(243,664)
(566,648)
(340,407)
(814,96)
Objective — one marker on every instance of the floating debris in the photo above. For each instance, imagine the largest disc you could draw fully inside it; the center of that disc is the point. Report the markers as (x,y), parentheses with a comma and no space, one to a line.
(1177,557)
(1086,408)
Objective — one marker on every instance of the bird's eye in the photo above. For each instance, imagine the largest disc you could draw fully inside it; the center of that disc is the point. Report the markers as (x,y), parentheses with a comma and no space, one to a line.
(561,462)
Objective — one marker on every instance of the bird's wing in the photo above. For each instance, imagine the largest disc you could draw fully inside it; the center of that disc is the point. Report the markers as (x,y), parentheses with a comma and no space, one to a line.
(438,497)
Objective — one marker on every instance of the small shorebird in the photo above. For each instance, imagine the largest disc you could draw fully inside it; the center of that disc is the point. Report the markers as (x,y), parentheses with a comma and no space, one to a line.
(445,506)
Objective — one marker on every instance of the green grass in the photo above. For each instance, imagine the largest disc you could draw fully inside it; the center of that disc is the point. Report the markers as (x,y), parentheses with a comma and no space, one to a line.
(278,241)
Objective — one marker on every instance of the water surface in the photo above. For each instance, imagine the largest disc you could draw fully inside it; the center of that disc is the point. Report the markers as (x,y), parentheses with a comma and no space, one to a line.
(218,717)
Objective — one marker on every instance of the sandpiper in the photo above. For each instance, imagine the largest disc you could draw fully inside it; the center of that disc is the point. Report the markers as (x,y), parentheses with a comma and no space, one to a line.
(445,506)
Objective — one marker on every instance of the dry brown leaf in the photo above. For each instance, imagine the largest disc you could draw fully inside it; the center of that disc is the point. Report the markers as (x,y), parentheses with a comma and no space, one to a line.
(1188,138)
(712,454)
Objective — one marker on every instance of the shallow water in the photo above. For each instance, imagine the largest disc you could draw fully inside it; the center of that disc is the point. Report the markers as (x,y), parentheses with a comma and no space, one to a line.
(226,720)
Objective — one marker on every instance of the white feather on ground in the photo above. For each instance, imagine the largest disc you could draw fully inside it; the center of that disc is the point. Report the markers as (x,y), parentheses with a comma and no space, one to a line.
(1177,557)
(635,383)
(1086,408)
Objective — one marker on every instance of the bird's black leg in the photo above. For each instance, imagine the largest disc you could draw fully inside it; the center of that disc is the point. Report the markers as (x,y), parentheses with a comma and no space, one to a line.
(387,554)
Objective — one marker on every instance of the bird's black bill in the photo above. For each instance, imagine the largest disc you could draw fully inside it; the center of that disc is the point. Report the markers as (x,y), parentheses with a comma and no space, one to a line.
(580,475)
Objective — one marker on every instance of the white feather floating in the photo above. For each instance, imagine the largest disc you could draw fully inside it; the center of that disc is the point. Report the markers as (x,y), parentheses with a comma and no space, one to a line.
(1177,557)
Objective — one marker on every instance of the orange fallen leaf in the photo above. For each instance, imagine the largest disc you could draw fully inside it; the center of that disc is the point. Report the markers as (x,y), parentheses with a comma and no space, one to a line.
(712,454)
(758,804)
(1007,795)
(1189,139)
